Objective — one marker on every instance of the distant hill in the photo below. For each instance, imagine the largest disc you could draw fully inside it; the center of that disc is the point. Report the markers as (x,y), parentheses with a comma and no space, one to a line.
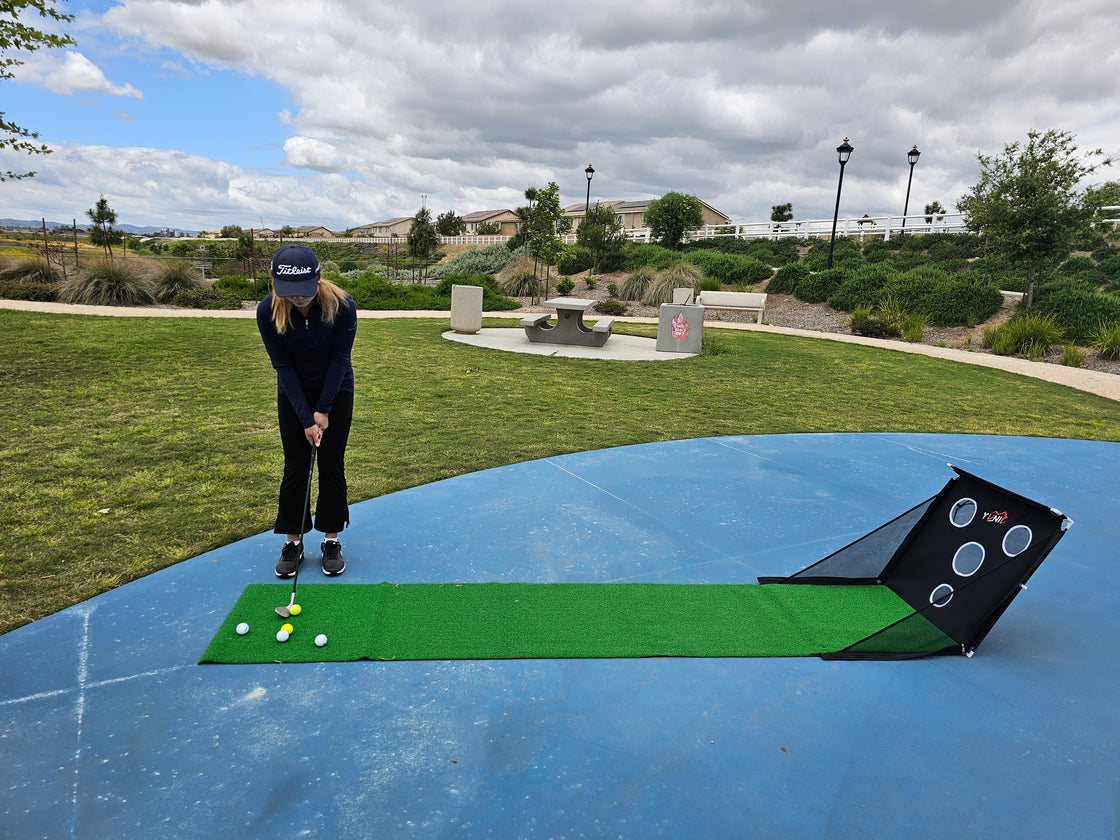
(132,230)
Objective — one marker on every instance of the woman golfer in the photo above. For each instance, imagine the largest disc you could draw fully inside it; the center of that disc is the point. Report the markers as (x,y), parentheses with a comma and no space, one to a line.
(308,327)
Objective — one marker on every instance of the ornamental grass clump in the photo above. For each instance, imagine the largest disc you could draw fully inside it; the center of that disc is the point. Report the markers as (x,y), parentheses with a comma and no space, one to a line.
(1030,336)
(108,284)
(176,277)
(1107,341)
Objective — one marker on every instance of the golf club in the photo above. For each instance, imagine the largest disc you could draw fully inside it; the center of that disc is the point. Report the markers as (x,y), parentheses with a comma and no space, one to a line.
(286,612)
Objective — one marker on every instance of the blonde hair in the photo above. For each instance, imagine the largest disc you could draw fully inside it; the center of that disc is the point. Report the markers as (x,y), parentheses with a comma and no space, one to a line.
(330,297)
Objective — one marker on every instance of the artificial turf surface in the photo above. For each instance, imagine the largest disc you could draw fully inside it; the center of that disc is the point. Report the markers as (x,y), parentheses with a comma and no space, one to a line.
(388,621)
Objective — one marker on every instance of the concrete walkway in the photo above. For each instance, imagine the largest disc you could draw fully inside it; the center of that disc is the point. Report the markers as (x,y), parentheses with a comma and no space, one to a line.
(1091,381)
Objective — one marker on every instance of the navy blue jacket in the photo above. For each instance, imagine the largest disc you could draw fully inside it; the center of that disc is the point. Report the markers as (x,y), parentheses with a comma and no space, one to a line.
(312,359)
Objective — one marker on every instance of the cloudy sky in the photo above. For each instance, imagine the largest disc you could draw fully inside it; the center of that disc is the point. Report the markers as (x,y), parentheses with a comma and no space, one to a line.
(201,113)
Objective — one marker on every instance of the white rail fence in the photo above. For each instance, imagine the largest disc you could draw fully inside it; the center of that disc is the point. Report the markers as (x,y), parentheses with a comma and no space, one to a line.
(877,227)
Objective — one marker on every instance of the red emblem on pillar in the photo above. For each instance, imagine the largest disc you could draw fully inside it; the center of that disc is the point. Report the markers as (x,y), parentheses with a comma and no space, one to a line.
(680,327)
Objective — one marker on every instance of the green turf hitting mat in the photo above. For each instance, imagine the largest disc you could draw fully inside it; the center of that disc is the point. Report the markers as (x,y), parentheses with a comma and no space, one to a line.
(387,621)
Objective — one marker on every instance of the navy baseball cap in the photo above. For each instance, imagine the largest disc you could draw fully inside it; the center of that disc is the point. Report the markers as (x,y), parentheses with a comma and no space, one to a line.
(295,271)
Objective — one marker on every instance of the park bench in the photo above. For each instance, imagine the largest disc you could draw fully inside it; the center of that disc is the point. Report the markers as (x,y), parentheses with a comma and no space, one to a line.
(738,301)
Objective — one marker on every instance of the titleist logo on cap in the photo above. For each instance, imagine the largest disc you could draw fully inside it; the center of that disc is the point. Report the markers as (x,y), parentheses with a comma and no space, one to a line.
(293,269)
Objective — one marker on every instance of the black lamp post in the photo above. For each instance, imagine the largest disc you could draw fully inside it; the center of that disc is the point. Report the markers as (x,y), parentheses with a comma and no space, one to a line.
(589,171)
(911,158)
(843,151)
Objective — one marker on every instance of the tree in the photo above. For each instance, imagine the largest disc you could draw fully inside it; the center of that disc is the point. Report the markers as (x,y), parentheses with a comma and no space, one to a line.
(548,222)
(1027,203)
(781,212)
(15,35)
(102,233)
(422,238)
(232,231)
(488,228)
(932,208)
(601,231)
(672,216)
(450,224)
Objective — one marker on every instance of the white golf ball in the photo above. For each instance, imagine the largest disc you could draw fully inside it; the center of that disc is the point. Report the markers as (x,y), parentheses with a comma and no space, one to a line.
(281,635)
(242,629)
(320,640)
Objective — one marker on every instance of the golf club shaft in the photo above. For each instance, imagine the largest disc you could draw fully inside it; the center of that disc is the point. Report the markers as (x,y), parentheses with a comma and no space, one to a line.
(303,520)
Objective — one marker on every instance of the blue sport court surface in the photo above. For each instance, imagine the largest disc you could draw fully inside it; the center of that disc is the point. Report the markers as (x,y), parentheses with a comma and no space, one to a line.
(109,728)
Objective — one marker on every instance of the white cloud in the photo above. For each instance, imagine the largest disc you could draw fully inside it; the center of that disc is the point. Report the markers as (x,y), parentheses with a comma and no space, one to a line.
(69,73)
(740,103)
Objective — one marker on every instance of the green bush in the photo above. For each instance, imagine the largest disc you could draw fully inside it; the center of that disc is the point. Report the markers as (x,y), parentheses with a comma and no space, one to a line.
(564,286)
(709,284)
(488,260)
(108,284)
(610,306)
(1078,310)
(574,259)
(817,288)
(866,322)
(207,298)
(240,286)
(492,298)
(862,287)
(638,256)
(18,290)
(732,269)
(1026,334)
(175,277)
(786,278)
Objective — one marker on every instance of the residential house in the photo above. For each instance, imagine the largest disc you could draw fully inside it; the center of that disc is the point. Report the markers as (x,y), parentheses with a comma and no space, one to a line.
(313,232)
(508,220)
(390,227)
(631,214)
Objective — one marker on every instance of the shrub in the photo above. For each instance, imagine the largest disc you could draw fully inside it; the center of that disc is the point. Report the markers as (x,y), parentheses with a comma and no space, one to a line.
(574,259)
(817,288)
(1106,340)
(522,279)
(108,284)
(1079,311)
(488,260)
(862,287)
(175,277)
(866,322)
(492,298)
(18,290)
(564,286)
(709,284)
(239,286)
(637,256)
(610,306)
(207,298)
(786,278)
(1030,335)
(731,268)
(633,286)
(963,301)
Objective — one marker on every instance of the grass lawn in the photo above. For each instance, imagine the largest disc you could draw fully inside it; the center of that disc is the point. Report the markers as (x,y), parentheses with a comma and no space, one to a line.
(133,443)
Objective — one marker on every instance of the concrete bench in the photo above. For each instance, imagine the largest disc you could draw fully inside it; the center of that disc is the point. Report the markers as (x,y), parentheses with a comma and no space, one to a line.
(603,325)
(534,320)
(739,301)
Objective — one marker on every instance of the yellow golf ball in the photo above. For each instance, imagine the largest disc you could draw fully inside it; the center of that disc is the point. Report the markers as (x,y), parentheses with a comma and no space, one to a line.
(296,609)
(287,628)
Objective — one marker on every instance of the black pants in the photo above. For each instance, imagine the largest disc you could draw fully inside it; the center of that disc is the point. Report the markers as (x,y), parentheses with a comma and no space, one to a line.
(331,511)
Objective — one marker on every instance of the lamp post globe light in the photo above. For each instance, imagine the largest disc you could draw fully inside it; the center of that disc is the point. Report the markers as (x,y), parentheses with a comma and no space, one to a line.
(911,158)
(843,152)
(589,171)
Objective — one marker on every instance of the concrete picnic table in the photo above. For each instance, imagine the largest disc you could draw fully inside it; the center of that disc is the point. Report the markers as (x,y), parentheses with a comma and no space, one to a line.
(569,327)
